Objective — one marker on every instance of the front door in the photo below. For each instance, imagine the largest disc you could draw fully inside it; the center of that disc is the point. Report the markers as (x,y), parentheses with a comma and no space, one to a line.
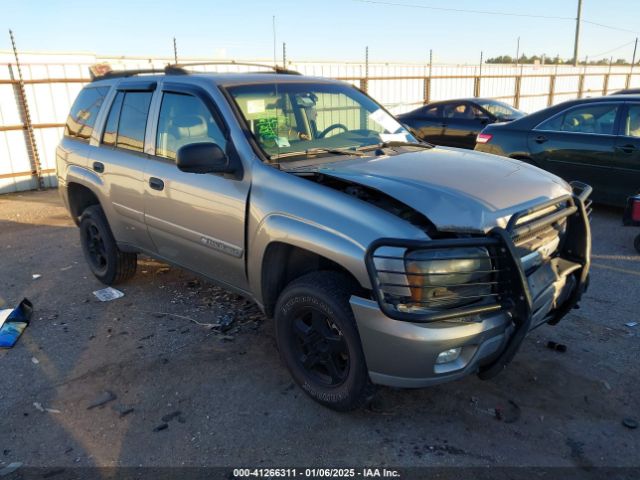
(625,175)
(194,220)
(579,144)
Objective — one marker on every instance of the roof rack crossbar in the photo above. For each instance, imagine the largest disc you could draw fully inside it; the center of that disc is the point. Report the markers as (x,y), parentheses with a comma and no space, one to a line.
(275,68)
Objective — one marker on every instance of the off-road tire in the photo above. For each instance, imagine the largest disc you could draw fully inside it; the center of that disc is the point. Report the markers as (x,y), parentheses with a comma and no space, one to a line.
(111,265)
(325,294)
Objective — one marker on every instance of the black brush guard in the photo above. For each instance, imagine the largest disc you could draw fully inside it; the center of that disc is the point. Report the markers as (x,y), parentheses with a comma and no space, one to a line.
(514,295)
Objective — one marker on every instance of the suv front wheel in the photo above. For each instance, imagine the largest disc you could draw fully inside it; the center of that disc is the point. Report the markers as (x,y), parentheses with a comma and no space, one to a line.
(107,262)
(319,342)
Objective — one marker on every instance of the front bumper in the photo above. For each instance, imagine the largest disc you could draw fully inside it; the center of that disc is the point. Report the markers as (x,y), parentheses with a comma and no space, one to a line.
(402,352)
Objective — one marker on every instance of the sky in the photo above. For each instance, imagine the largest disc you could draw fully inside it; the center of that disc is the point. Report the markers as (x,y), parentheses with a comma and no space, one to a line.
(320,30)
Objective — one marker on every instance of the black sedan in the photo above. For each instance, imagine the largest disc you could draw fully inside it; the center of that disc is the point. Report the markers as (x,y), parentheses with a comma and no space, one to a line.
(594,140)
(456,123)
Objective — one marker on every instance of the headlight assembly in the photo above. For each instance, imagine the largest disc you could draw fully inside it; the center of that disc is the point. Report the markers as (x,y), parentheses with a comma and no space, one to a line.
(447,278)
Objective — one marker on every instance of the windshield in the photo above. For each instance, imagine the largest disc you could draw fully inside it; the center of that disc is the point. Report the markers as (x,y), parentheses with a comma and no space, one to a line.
(501,110)
(311,117)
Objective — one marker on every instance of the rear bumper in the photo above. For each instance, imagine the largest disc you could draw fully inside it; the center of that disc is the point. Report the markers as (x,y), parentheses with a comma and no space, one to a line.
(402,353)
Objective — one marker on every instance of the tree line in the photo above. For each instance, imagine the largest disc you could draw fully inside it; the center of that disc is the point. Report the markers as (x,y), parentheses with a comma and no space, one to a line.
(548,60)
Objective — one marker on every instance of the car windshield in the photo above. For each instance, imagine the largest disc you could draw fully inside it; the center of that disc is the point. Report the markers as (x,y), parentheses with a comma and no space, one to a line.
(314,118)
(501,110)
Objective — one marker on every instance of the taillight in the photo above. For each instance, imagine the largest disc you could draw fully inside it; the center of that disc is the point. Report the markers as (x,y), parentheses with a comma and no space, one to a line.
(635,210)
(484,138)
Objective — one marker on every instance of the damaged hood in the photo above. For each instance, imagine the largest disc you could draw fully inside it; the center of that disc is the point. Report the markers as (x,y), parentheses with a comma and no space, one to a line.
(457,190)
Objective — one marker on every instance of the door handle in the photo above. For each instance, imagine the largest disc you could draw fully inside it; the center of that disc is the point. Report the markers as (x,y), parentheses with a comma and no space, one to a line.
(98,167)
(156,183)
(541,139)
(628,148)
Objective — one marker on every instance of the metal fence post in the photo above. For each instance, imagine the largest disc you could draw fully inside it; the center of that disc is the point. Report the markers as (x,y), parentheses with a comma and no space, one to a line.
(427,80)
(32,147)
(284,54)
(476,86)
(364,82)
(580,84)
(552,89)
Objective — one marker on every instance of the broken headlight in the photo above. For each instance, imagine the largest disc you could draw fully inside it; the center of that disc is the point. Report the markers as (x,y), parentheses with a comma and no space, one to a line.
(447,278)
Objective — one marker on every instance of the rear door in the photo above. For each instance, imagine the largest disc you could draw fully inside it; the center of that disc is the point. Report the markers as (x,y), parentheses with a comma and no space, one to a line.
(428,122)
(120,161)
(462,123)
(579,144)
(195,220)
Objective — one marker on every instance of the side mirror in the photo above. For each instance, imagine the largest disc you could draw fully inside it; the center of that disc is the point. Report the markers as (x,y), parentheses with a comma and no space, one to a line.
(205,157)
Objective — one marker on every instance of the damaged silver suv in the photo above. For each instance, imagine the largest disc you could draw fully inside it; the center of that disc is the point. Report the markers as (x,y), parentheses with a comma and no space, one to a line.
(382,260)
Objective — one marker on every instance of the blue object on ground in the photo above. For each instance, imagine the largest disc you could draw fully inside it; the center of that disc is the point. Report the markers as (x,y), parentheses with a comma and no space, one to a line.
(13,323)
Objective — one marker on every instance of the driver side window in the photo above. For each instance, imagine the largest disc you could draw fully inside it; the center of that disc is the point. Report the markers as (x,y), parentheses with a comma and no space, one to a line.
(185,119)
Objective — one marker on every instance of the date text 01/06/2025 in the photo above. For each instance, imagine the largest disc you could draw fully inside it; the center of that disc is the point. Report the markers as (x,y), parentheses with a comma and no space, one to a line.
(315,473)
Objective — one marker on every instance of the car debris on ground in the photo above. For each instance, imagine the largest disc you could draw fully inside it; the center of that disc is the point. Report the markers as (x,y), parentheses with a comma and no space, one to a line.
(558,347)
(104,397)
(108,294)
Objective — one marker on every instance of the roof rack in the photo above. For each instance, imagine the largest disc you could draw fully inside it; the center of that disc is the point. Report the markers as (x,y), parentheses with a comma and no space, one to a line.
(168,70)
(181,69)
(275,68)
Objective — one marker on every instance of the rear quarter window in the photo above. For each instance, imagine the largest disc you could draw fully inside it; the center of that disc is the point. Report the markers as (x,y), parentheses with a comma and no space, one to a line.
(133,120)
(84,112)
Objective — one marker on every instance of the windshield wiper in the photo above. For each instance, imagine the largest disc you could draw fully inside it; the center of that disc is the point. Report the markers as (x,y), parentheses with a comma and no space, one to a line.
(315,151)
(394,143)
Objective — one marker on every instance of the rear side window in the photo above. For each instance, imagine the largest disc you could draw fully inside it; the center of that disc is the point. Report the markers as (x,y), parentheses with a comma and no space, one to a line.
(127,120)
(84,112)
(431,112)
(593,118)
(111,129)
(185,119)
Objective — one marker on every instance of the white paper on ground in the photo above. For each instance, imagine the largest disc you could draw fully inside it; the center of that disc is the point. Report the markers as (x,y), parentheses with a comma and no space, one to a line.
(108,294)
(4,314)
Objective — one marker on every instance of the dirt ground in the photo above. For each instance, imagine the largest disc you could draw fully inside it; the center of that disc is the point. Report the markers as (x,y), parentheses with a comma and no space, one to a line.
(237,404)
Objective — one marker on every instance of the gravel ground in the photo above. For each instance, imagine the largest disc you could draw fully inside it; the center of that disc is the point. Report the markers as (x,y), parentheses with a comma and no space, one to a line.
(221,397)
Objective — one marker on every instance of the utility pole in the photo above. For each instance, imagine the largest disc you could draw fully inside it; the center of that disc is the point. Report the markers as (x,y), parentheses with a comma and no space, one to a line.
(635,48)
(517,52)
(577,39)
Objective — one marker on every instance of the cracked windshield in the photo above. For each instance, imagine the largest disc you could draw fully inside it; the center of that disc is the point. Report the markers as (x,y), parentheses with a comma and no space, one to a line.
(290,118)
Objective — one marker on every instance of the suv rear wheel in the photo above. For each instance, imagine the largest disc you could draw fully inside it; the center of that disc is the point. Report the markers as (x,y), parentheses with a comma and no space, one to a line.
(107,262)
(319,342)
